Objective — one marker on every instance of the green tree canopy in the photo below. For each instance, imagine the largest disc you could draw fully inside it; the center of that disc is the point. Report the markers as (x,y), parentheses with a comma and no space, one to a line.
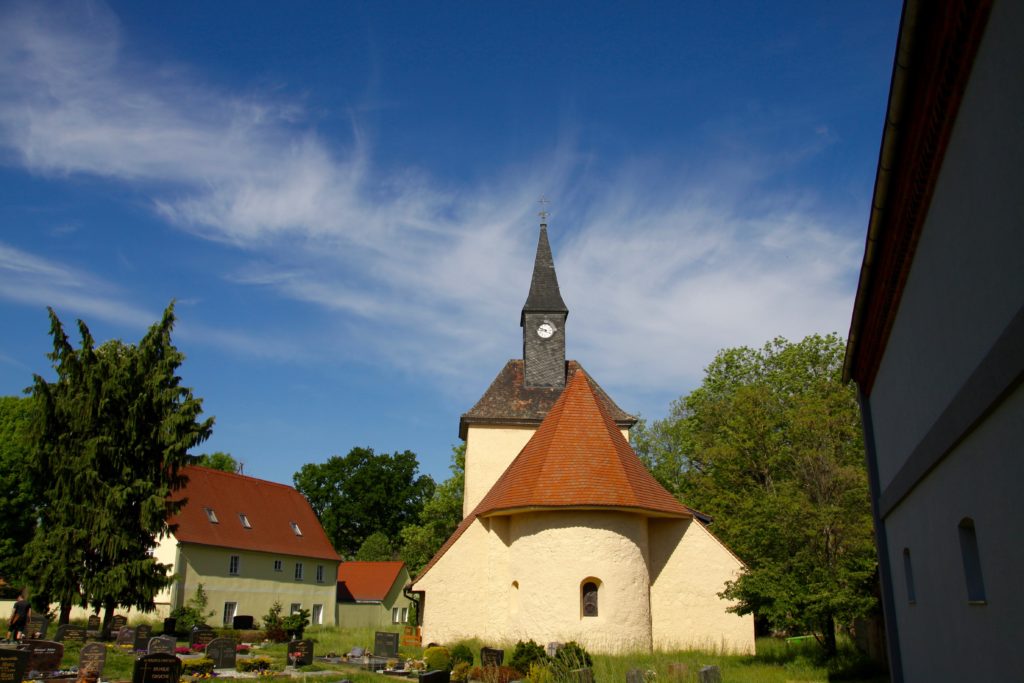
(17,510)
(110,436)
(770,446)
(218,460)
(376,548)
(362,493)
(438,518)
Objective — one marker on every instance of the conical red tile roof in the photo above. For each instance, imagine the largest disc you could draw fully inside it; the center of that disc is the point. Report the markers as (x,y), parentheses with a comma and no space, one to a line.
(579,458)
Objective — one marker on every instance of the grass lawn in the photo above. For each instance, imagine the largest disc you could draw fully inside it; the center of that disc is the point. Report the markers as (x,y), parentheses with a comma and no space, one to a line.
(775,661)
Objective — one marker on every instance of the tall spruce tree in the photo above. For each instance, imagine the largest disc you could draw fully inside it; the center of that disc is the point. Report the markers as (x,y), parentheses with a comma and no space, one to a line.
(112,432)
(17,516)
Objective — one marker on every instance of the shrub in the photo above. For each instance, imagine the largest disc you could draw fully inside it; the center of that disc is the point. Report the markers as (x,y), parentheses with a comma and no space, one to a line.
(260,663)
(573,656)
(273,625)
(526,654)
(437,658)
(197,667)
(460,672)
(461,653)
(295,624)
(494,674)
(540,672)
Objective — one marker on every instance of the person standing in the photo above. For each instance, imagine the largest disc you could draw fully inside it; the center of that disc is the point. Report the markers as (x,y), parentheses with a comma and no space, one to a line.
(19,618)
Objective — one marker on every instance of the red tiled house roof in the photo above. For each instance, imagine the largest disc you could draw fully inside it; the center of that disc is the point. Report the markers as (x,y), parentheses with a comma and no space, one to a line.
(271,509)
(367,581)
(576,459)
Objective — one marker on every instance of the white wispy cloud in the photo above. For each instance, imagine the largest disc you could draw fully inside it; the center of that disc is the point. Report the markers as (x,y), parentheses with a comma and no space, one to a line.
(659,272)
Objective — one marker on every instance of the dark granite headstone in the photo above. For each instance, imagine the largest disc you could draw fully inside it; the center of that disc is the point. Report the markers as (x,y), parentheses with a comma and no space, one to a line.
(709,674)
(126,636)
(242,622)
(118,622)
(92,657)
(157,668)
(37,626)
(44,655)
(143,632)
(13,665)
(222,652)
(93,624)
(385,644)
(70,633)
(635,676)
(443,676)
(490,656)
(162,644)
(202,636)
(300,652)
(170,626)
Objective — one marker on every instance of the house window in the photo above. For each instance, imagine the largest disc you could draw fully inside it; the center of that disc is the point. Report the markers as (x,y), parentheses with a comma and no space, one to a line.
(244,520)
(405,614)
(395,614)
(211,515)
(296,606)
(588,596)
(319,573)
(278,566)
(298,571)
(233,565)
(229,612)
(908,575)
(972,562)
(318,614)
(296,529)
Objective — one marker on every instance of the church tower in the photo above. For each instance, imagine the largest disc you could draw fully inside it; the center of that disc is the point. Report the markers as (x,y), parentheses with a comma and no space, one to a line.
(543,322)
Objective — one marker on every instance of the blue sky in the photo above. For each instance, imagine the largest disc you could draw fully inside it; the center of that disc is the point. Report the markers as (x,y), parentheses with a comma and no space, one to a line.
(341,197)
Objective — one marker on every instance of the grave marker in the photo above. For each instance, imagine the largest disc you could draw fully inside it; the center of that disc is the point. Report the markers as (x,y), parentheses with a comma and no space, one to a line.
(44,655)
(222,652)
(92,658)
(143,632)
(585,675)
(635,676)
(385,644)
(13,665)
(93,625)
(161,644)
(118,622)
(201,635)
(157,668)
(170,626)
(300,652)
(678,671)
(490,656)
(37,626)
(126,636)
(242,622)
(443,676)
(553,648)
(710,674)
(70,633)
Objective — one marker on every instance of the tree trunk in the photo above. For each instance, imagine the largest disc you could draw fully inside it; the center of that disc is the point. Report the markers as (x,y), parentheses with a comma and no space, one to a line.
(828,628)
(65,612)
(108,616)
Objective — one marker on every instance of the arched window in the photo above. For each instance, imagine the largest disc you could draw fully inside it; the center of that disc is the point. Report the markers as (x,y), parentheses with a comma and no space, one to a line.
(972,561)
(588,596)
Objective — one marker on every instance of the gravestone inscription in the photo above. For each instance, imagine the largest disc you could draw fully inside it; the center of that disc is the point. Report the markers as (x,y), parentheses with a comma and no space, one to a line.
(143,632)
(157,668)
(300,652)
(37,626)
(44,655)
(490,656)
(385,644)
(13,665)
(201,636)
(70,633)
(222,652)
(93,625)
(92,658)
(161,644)
(118,622)
(126,636)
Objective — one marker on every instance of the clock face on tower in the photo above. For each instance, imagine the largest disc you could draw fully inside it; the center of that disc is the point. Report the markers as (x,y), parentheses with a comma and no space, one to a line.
(545,330)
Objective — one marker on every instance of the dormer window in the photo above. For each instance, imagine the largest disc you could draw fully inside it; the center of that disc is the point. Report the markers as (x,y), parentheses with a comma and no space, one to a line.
(244,520)
(212,516)
(296,529)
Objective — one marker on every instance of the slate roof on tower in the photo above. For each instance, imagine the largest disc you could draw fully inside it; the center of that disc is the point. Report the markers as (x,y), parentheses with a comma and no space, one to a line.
(576,459)
(250,514)
(509,401)
(544,296)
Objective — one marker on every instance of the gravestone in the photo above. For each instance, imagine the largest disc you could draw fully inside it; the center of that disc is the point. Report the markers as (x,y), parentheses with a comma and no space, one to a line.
(300,652)
(126,636)
(585,675)
(201,636)
(13,665)
(553,649)
(70,633)
(710,674)
(93,625)
(443,676)
(118,622)
(222,652)
(44,655)
(37,626)
(242,622)
(170,626)
(678,671)
(385,644)
(635,676)
(157,668)
(161,644)
(490,656)
(92,658)
(143,632)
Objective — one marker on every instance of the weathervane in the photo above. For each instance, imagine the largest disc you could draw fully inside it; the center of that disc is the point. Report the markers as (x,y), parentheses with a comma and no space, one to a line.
(543,201)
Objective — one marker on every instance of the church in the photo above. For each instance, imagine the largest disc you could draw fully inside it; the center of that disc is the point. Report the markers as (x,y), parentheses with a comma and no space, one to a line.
(565,535)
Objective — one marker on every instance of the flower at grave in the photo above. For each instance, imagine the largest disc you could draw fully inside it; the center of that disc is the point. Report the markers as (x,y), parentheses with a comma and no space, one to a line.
(650,675)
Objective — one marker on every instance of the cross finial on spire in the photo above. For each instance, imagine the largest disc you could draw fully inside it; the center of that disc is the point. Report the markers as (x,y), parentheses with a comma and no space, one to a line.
(543,201)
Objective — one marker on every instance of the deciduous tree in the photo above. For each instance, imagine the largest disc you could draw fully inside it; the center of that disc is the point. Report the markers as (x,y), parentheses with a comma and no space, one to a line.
(439,517)
(17,510)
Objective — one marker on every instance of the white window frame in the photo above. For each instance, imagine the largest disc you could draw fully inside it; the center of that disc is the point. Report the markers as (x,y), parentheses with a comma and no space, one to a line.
(395,614)
(230,610)
(319,573)
(299,571)
(278,565)
(295,529)
(244,519)
(295,607)
(234,563)
(212,516)
(318,614)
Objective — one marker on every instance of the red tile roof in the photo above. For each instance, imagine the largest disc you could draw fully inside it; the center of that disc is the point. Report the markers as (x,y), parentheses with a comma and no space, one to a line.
(367,581)
(270,509)
(576,459)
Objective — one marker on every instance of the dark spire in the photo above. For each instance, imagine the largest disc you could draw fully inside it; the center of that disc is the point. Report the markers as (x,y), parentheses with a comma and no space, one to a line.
(544,296)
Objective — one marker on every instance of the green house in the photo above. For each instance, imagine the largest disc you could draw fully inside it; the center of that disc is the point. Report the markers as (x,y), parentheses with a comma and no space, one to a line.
(370,594)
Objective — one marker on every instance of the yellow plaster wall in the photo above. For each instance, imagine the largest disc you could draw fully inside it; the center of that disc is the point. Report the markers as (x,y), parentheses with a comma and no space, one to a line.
(689,567)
